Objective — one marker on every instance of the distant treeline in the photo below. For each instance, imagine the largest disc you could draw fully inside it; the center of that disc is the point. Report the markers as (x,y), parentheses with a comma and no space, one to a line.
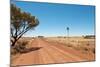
(89,36)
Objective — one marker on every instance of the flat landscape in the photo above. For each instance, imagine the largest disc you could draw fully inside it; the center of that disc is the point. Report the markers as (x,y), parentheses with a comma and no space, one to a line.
(52,33)
(50,50)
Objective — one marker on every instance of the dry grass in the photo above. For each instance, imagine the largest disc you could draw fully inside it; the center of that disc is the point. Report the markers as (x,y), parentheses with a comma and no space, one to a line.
(84,45)
(21,45)
(21,48)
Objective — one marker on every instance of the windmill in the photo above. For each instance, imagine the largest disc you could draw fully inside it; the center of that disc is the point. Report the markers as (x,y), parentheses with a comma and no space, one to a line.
(67,34)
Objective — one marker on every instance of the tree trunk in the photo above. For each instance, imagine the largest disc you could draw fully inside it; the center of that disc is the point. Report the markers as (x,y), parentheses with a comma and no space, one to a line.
(13,44)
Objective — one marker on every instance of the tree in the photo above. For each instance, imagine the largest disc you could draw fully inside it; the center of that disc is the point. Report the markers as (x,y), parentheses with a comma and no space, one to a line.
(21,22)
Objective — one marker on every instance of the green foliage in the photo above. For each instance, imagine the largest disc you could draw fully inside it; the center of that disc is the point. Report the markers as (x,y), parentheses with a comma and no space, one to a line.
(21,22)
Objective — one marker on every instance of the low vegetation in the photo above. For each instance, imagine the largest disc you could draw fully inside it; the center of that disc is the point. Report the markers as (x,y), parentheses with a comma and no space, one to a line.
(19,47)
(85,45)
(22,47)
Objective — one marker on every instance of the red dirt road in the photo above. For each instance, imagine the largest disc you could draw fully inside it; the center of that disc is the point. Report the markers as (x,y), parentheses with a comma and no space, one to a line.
(50,53)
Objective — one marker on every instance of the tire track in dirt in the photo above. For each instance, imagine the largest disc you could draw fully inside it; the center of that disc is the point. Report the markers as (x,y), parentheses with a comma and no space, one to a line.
(64,47)
(63,54)
(49,53)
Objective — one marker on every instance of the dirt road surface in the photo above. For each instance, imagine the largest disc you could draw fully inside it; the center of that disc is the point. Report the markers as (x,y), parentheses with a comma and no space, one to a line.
(50,53)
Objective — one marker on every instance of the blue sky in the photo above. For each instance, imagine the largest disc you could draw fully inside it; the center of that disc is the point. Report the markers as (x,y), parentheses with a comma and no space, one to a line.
(54,18)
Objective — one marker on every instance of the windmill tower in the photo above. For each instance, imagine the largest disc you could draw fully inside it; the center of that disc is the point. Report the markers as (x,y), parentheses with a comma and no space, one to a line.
(67,35)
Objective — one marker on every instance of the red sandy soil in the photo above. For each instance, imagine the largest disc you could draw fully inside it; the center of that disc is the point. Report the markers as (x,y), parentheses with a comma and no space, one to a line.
(50,53)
